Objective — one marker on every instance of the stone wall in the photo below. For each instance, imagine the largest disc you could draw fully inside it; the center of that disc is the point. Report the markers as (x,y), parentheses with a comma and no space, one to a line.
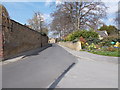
(1,47)
(1,40)
(16,38)
(75,46)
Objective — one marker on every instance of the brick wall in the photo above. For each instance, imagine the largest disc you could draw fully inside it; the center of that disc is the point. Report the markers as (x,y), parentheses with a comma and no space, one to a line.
(18,38)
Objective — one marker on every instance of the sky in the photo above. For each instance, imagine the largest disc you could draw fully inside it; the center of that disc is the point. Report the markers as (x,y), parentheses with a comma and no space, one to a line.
(22,10)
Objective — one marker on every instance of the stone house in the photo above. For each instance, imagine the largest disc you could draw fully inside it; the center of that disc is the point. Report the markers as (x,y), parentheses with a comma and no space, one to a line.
(102,34)
(52,40)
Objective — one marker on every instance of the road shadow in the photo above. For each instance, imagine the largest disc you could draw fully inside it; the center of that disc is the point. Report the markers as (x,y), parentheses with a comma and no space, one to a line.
(55,83)
(30,52)
(36,52)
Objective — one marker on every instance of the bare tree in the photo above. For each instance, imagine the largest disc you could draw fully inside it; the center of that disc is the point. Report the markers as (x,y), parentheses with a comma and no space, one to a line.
(71,16)
(117,19)
(36,22)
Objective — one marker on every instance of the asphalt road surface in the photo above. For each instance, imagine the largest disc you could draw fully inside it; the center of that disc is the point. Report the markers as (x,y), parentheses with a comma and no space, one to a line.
(38,70)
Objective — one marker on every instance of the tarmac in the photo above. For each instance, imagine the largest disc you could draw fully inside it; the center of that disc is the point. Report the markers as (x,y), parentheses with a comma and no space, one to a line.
(37,69)
(91,71)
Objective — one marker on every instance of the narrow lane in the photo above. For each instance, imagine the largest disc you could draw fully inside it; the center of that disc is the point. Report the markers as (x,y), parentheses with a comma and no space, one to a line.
(38,70)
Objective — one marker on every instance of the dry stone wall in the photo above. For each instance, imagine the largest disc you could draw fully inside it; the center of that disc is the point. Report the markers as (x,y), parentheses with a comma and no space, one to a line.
(16,38)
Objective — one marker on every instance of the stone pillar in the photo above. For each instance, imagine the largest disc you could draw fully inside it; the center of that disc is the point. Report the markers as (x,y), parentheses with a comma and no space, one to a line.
(79,47)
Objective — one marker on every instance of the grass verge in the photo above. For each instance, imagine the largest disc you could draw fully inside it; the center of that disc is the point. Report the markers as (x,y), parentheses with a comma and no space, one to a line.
(106,53)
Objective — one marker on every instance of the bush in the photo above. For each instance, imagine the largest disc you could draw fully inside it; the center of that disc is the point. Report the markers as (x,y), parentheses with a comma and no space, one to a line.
(91,47)
(93,40)
(107,41)
(84,33)
(112,49)
(62,40)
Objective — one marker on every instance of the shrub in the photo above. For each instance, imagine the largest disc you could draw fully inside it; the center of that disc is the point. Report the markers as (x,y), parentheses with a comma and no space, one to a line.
(91,47)
(107,40)
(112,49)
(84,33)
(93,40)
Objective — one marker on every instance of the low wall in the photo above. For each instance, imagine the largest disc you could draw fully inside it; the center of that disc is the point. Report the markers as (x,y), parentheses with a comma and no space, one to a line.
(74,46)
(16,38)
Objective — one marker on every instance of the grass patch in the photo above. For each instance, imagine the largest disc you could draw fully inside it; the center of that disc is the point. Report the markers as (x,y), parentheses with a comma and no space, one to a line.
(106,53)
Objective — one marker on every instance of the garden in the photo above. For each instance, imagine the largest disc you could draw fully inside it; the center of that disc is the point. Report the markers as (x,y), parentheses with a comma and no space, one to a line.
(108,46)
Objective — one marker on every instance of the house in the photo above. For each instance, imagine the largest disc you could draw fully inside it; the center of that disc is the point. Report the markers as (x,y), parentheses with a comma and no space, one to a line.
(102,34)
(52,40)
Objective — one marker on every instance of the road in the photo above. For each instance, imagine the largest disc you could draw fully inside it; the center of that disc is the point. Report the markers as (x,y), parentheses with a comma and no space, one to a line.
(38,70)
(91,71)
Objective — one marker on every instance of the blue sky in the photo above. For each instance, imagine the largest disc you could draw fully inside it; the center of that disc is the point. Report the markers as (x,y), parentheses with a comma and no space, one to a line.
(22,11)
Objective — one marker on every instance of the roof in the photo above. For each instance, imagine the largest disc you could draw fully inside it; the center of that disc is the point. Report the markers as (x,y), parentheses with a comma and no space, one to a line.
(102,33)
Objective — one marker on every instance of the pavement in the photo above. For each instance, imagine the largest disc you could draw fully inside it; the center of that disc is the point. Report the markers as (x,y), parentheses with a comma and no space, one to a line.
(40,69)
(91,71)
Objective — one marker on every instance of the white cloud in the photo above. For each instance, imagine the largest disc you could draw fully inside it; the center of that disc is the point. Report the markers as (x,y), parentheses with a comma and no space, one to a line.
(54,0)
(112,6)
(47,2)
(58,2)
(110,0)
(111,20)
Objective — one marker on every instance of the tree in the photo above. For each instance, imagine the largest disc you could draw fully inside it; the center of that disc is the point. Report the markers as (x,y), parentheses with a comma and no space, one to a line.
(104,27)
(111,30)
(37,23)
(45,30)
(117,19)
(71,16)
(60,23)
